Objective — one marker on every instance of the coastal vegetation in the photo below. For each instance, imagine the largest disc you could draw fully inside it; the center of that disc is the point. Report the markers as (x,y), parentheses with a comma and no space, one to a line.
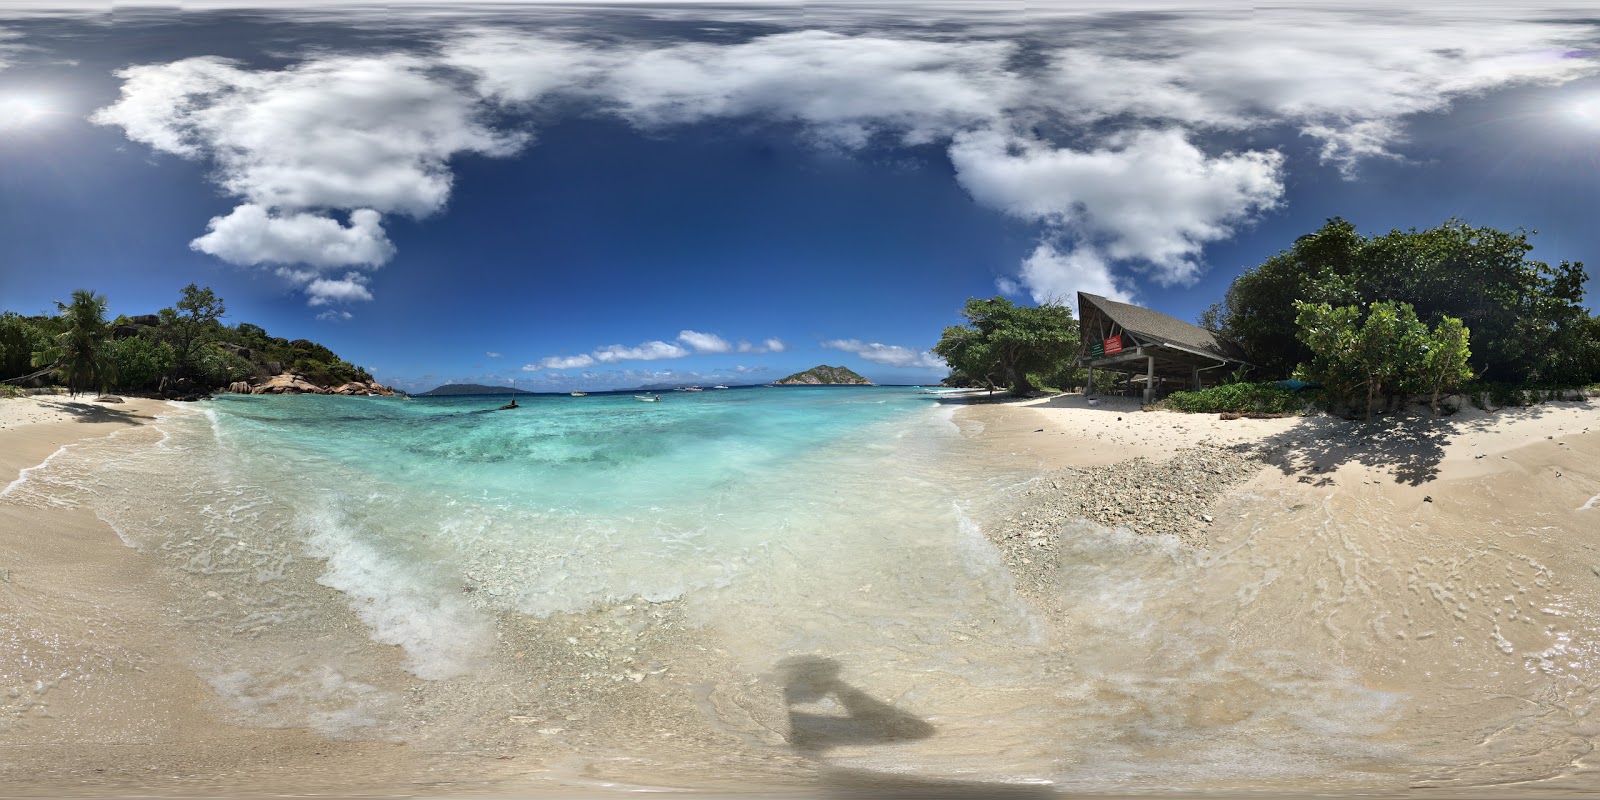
(182,351)
(1004,344)
(1526,318)
(824,375)
(1243,398)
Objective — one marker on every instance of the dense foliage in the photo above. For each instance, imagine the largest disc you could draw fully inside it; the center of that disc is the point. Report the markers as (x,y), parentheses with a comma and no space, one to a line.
(1241,398)
(183,349)
(1003,343)
(1385,352)
(1526,317)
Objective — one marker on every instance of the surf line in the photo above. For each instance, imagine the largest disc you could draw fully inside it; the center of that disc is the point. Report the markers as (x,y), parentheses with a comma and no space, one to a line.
(1584,507)
(23,475)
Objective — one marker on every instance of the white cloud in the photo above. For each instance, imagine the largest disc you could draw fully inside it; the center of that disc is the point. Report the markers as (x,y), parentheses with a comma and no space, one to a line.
(492,354)
(705,342)
(366,135)
(1343,75)
(561,362)
(688,343)
(842,88)
(887,354)
(649,351)
(349,289)
(1053,276)
(252,235)
(300,147)
(1150,197)
(335,315)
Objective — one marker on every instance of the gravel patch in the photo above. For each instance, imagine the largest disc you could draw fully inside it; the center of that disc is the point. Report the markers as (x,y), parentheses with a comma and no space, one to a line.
(1173,497)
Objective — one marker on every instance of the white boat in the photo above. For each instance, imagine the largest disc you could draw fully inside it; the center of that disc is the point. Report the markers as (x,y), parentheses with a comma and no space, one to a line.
(580,394)
(719,387)
(646,399)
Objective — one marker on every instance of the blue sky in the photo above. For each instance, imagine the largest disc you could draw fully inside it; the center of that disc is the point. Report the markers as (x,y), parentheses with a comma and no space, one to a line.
(601,196)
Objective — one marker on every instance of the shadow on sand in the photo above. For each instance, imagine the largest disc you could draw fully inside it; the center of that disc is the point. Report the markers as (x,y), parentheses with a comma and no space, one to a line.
(1410,447)
(95,412)
(810,680)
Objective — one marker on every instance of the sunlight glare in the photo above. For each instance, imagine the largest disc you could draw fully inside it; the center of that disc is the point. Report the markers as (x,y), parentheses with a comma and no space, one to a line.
(22,110)
(1587,110)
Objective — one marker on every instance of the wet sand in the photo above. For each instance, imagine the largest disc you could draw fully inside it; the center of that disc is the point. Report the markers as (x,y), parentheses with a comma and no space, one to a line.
(1431,587)
(93,698)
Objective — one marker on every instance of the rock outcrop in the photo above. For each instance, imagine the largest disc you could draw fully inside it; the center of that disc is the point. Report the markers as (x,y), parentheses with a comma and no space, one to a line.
(289,383)
(241,387)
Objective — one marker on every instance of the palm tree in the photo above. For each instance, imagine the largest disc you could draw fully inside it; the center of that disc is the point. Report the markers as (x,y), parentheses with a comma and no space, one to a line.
(76,353)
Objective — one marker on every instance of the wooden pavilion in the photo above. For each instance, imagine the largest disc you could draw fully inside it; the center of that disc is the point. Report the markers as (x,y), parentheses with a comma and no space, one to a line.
(1167,353)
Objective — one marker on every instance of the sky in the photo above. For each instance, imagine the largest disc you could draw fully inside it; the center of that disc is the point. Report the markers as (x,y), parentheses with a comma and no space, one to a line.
(599,195)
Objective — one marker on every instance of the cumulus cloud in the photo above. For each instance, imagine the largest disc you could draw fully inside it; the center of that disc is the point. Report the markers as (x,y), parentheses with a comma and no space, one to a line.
(561,362)
(1055,276)
(252,235)
(362,135)
(705,342)
(1095,131)
(492,354)
(1149,197)
(649,351)
(334,315)
(349,289)
(887,354)
(774,345)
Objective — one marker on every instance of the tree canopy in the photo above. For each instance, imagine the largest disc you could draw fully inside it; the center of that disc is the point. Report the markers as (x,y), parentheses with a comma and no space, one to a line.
(1388,351)
(1526,317)
(76,352)
(1003,342)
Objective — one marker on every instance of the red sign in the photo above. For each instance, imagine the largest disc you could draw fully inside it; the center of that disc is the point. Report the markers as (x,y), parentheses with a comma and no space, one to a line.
(1113,345)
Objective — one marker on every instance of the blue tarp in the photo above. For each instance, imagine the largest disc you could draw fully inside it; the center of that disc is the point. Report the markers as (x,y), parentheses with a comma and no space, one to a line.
(1295,385)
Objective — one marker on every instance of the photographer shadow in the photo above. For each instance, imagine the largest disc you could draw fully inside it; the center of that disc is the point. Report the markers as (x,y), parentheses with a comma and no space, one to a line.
(813,681)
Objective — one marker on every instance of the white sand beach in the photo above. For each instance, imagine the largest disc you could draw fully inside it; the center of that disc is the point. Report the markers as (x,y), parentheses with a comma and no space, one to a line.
(1428,585)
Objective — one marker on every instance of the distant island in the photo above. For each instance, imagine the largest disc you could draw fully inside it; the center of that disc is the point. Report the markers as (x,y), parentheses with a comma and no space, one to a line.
(824,375)
(450,389)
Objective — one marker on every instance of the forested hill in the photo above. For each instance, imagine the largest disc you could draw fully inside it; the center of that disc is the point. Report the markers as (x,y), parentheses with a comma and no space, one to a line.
(824,375)
(451,389)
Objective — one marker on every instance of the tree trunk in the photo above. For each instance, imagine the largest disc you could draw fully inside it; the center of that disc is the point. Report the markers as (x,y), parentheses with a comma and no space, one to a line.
(1372,392)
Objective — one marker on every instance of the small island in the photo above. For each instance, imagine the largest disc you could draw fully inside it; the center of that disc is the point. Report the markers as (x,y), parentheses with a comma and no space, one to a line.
(824,375)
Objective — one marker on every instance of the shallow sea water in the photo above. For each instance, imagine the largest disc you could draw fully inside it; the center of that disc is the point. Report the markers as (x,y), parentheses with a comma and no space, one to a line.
(771,587)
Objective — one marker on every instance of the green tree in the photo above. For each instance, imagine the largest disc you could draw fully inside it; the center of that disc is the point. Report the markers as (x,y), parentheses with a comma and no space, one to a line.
(76,353)
(1381,355)
(1003,342)
(20,338)
(1444,364)
(193,323)
(1526,316)
(139,361)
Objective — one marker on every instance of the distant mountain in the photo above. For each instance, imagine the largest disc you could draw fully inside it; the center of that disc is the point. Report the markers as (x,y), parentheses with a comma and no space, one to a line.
(471,388)
(825,375)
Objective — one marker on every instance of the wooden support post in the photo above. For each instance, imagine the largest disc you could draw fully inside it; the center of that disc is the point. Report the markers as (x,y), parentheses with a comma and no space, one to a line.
(1197,379)
(1150,380)
(1088,391)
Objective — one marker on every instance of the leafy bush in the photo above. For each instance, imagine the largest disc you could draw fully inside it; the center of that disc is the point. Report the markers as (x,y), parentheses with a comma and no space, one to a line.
(140,362)
(1242,398)
(218,367)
